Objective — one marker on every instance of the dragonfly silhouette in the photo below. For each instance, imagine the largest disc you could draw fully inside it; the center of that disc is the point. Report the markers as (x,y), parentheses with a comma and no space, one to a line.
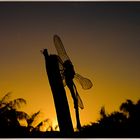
(68,74)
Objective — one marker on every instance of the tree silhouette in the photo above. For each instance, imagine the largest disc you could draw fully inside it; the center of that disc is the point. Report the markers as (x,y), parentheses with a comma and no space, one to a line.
(10,118)
(9,114)
(8,109)
(128,107)
(124,123)
(132,110)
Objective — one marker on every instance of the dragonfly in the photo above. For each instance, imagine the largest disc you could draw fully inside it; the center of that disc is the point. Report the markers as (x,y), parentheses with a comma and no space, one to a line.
(68,75)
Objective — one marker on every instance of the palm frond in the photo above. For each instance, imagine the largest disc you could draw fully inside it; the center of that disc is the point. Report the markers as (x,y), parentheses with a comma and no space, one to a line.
(35,115)
(5,98)
(16,103)
(32,118)
(22,115)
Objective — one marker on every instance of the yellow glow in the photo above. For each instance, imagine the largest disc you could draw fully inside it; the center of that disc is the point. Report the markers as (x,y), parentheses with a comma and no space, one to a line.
(107,54)
(55,125)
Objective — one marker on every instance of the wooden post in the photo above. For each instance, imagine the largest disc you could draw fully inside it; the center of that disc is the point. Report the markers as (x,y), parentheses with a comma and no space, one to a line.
(59,94)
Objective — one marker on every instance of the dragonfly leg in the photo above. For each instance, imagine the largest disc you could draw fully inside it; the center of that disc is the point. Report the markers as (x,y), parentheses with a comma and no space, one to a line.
(75,100)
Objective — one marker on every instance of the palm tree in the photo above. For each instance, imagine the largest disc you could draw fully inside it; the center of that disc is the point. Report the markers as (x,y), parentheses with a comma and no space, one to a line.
(9,114)
(128,108)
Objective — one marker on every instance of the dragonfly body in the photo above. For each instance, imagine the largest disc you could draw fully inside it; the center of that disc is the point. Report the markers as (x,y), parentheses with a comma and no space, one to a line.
(68,71)
(68,74)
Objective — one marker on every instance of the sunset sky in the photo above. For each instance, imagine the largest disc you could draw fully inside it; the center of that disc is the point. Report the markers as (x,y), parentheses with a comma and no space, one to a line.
(101,38)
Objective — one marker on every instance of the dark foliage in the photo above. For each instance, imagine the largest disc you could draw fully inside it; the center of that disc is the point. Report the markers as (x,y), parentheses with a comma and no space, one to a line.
(118,124)
(124,123)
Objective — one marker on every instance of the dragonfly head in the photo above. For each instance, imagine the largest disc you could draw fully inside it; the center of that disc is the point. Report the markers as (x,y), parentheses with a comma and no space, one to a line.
(67,64)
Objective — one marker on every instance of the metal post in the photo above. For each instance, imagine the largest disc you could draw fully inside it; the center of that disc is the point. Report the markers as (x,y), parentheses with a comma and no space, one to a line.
(59,94)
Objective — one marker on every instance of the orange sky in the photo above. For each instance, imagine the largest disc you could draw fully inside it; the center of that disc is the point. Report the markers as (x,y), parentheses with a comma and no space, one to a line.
(102,40)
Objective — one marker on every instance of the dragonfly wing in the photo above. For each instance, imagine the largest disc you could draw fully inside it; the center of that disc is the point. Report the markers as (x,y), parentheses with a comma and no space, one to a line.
(84,82)
(60,48)
(80,103)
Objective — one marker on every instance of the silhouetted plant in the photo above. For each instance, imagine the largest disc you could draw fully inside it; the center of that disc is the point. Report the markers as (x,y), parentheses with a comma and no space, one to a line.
(9,114)
(48,127)
(14,104)
(133,113)
(8,109)
(31,119)
(122,123)
(128,107)
(102,112)
(35,123)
